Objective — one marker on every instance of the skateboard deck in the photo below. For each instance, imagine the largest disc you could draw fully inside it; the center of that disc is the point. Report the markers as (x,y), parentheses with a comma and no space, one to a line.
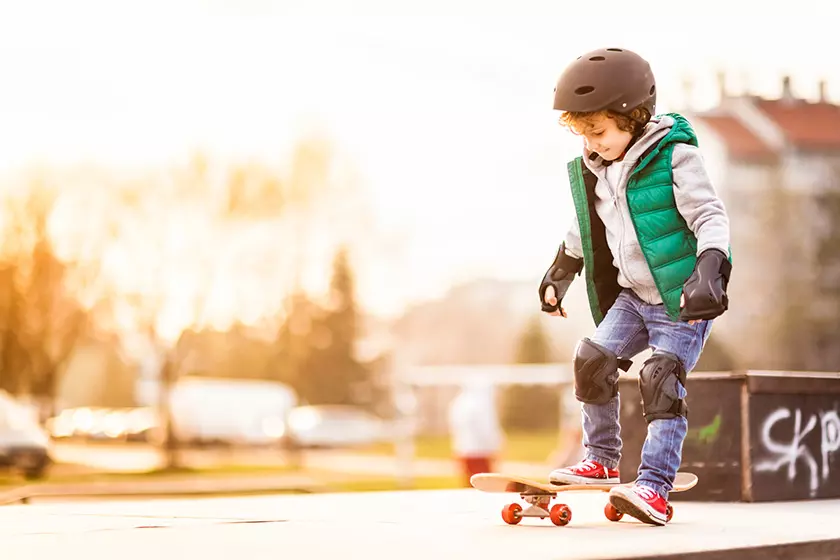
(539,495)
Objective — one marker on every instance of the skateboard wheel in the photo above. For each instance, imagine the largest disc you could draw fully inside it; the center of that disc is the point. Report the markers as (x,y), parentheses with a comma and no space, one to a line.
(510,514)
(611,513)
(560,514)
(669,512)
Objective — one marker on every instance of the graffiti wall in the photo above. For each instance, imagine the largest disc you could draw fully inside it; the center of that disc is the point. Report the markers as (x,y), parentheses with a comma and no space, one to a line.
(790,449)
(795,443)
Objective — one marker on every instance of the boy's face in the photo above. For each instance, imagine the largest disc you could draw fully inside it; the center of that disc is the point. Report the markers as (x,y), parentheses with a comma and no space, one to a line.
(603,136)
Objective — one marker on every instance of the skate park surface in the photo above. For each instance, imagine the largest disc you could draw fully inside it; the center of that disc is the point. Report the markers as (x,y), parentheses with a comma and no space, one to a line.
(406,524)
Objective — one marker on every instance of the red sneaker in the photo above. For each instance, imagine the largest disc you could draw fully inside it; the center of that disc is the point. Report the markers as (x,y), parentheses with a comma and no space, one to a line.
(642,502)
(585,472)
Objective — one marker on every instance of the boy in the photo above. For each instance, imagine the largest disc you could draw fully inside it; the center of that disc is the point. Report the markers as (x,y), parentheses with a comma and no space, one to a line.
(652,237)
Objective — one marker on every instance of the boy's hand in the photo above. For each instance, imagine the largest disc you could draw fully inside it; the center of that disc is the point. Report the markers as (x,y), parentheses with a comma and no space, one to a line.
(551,299)
(557,280)
(682,304)
(704,294)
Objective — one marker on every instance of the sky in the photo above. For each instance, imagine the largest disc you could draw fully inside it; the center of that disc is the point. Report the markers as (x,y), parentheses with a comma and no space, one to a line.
(443,109)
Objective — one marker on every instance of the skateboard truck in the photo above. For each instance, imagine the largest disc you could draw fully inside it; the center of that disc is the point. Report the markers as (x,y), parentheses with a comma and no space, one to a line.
(560,514)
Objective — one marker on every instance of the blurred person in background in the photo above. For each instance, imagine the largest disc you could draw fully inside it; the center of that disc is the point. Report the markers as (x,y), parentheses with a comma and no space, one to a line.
(652,235)
(475,429)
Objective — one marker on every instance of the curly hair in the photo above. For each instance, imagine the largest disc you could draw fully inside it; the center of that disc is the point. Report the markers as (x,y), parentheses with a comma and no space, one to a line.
(581,122)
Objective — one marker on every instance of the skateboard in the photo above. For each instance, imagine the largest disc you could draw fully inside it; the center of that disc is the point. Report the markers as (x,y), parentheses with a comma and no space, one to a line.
(539,496)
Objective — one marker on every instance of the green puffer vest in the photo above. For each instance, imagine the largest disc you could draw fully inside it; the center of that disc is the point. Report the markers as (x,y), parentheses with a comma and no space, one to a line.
(669,246)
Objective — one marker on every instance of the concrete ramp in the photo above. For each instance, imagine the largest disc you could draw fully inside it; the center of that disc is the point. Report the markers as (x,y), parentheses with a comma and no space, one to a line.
(462,524)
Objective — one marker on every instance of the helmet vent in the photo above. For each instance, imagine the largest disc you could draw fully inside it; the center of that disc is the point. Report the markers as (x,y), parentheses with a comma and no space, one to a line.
(616,50)
(583,90)
(652,89)
(597,58)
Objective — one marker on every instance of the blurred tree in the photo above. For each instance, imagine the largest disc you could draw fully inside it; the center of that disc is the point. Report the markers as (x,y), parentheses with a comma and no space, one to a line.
(292,344)
(82,383)
(161,255)
(40,321)
(180,276)
(533,345)
(236,353)
(254,192)
(531,407)
(329,371)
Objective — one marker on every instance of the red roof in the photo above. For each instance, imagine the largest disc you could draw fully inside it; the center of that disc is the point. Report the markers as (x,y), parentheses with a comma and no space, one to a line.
(741,143)
(806,125)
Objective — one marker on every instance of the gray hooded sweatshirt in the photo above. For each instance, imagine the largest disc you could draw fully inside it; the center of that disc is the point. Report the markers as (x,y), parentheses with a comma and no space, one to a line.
(694,193)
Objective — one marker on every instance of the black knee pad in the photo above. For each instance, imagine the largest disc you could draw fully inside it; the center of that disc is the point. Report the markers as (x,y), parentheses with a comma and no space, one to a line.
(596,373)
(658,385)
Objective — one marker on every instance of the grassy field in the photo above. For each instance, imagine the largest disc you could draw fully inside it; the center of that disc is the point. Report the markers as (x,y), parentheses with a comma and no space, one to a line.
(518,446)
(272,477)
(73,474)
(527,447)
(385,484)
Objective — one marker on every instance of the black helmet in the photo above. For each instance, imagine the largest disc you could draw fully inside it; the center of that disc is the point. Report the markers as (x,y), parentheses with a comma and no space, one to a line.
(615,79)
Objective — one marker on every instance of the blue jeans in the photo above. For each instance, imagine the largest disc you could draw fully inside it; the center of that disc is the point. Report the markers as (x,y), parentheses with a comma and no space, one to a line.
(630,327)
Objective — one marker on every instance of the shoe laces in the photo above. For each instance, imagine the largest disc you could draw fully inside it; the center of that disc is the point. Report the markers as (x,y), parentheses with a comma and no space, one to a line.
(587,465)
(645,492)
